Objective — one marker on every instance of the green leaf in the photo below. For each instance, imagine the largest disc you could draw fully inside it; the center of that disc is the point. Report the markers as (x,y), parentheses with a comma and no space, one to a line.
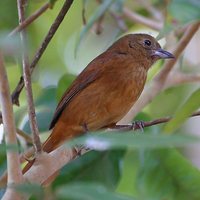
(166,174)
(103,141)
(191,105)
(107,163)
(128,175)
(88,191)
(98,13)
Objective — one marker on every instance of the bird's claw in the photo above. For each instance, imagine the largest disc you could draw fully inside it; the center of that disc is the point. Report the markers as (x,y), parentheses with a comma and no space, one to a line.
(138,125)
(81,149)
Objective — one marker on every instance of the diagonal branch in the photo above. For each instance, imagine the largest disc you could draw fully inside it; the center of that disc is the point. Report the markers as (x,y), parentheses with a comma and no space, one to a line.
(27,78)
(40,51)
(177,78)
(155,25)
(30,19)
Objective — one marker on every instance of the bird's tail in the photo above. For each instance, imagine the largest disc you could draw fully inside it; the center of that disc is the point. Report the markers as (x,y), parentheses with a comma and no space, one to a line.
(58,136)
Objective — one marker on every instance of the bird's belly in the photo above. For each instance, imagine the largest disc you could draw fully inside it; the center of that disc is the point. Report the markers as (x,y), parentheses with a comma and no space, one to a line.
(99,106)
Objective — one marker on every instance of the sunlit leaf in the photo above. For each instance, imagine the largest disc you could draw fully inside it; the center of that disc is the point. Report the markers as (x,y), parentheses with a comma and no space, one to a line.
(191,105)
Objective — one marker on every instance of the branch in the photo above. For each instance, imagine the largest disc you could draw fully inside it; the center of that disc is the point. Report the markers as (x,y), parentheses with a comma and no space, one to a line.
(40,51)
(25,136)
(184,41)
(157,84)
(30,19)
(180,78)
(27,78)
(13,164)
(47,164)
(155,25)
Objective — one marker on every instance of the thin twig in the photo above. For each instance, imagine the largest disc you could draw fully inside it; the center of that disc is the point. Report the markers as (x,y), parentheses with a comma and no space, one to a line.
(178,78)
(13,164)
(27,77)
(83,15)
(165,119)
(135,126)
(156,25)
(40,51)
(30,19)
(157,84)
(25,136)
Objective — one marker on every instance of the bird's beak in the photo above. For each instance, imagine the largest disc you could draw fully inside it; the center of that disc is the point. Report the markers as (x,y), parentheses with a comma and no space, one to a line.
(162,54)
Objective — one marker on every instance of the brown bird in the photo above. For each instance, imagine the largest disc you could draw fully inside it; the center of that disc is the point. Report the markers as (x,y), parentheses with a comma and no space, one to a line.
(105,90)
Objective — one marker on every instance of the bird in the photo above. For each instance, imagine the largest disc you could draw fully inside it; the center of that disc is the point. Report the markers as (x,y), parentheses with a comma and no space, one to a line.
(105,90)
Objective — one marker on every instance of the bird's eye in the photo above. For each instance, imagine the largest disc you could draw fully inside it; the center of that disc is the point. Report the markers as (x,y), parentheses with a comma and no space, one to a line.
(147,43)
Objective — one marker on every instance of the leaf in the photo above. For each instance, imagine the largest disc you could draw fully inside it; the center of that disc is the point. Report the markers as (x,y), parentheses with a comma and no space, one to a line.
(127,181)
(103,141)
(192,104)
(88,191)
(98,13)
(107,163)
(166,174)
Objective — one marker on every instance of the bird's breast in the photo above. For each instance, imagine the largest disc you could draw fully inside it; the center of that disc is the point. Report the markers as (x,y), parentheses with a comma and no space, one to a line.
(125,86)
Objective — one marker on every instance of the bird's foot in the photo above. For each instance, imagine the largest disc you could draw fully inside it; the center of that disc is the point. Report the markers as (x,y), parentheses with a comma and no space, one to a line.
(138,125)
(81,149)
(134,126)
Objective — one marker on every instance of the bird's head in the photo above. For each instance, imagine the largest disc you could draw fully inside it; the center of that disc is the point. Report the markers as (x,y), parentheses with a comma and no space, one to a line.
(141,46)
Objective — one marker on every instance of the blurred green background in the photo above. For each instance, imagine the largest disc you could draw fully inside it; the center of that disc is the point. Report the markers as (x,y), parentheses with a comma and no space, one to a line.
(129,172)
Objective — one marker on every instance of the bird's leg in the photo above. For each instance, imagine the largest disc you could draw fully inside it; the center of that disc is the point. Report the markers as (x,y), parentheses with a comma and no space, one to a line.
(81,149)
(85,128)
(134,126)
(138,124)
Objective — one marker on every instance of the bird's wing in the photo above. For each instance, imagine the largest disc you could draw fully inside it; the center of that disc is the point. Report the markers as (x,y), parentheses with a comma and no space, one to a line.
(87,76)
